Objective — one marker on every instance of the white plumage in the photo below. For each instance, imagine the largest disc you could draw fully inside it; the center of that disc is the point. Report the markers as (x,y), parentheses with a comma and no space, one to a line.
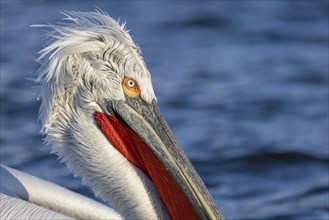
(27,197)
(83,67)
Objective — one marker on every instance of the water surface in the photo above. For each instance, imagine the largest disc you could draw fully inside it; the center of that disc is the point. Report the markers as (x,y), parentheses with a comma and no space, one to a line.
(243,84)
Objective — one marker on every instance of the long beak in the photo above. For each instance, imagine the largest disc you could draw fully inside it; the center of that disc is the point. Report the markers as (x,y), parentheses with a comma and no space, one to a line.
(147,122)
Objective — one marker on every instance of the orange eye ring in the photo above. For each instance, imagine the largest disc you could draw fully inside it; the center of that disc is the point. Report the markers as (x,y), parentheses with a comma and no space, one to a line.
(130,87)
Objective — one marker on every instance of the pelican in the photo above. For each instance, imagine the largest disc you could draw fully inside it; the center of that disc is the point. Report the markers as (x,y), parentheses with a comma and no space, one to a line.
(100,115)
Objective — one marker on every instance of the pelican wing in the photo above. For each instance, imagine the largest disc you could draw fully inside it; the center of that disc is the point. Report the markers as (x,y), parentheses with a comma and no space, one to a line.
(15,208)
(23,193)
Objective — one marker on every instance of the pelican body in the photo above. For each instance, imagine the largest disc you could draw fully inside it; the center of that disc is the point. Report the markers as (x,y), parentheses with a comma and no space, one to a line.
(100,115)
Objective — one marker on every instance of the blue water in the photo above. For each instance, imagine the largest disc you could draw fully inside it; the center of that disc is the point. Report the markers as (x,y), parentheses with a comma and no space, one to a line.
(243,84)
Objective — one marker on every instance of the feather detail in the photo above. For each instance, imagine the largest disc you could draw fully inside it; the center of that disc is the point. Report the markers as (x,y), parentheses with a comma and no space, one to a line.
(87,57)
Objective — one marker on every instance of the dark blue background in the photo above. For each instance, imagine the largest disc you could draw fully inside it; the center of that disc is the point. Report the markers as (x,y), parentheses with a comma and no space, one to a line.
(243,84)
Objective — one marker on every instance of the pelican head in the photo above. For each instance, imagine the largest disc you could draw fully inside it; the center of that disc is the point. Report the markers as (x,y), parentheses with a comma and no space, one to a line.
(99,112)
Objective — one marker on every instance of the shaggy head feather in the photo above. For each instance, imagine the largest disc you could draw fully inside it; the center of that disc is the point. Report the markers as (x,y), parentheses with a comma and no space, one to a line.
(91,53)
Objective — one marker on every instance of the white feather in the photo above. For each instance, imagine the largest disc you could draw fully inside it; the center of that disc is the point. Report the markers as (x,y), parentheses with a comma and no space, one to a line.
(45,200)
(14,208)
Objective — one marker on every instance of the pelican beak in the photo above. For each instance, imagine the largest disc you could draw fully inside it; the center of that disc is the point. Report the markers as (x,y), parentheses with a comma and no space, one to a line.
(157,153)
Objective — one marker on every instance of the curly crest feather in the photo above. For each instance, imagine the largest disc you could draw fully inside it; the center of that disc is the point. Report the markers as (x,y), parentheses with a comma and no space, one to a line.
(89,50)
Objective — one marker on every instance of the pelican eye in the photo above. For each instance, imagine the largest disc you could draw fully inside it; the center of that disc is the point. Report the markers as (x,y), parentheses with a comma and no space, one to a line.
(130,87)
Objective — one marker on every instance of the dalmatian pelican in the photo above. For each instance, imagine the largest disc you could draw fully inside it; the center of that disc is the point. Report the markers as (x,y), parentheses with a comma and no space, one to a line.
(100,115)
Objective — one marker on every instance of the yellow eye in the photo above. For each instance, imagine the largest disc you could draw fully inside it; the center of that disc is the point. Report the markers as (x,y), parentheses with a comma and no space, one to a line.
(130,87)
